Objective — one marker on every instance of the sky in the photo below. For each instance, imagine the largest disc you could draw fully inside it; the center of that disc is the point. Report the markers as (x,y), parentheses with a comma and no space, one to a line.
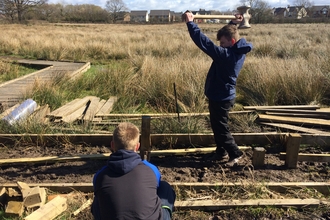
(183,5)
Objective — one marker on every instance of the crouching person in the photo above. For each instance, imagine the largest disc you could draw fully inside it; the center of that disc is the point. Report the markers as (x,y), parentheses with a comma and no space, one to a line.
(129,187)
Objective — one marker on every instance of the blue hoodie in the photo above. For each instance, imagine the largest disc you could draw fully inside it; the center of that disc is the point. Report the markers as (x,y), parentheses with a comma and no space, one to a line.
(221,79)
(127,188)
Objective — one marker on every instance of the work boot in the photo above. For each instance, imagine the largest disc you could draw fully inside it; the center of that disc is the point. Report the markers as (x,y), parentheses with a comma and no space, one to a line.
(234,159)
(218,157)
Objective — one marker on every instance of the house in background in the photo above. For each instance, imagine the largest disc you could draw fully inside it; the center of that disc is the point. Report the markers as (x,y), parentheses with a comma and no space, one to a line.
(280,12)
(320,11)
(296,12)
(160,16)
(139,16)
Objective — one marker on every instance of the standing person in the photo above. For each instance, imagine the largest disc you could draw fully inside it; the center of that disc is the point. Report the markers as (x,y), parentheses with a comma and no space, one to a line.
(128,187)
(220,85)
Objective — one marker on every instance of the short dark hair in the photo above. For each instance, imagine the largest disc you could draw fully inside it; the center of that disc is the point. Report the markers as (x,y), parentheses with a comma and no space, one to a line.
(229,31)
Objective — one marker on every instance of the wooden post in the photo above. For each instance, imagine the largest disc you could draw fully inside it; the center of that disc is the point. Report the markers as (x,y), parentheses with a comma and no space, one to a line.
(292,150)
(258,159)
(145,138)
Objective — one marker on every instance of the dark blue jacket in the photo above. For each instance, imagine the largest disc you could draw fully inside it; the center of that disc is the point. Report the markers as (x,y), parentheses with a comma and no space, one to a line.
(127,189)
(221,79)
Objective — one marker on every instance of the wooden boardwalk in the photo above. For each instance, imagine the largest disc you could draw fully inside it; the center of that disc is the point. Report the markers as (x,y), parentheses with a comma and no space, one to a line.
(11,92)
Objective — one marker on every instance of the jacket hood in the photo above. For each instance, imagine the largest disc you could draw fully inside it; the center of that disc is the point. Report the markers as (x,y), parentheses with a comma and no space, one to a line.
(242,47)
(123,161)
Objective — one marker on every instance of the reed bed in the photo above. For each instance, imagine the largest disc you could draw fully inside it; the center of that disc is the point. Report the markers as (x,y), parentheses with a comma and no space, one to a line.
(141,64)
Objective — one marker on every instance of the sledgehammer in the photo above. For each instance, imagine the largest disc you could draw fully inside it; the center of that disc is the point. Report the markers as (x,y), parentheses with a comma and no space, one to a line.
(243,10)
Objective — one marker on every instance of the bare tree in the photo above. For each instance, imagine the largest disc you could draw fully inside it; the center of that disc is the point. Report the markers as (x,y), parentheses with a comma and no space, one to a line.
(260,10)
(304,3)
(7,10)
(116,9)
(18,7)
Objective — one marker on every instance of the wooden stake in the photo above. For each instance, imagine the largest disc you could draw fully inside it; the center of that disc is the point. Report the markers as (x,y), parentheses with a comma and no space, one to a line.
(292,150)
(258,159)
(145,138)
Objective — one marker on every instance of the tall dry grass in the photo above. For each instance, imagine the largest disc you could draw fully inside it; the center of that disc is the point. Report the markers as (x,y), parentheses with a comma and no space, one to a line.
(290,63)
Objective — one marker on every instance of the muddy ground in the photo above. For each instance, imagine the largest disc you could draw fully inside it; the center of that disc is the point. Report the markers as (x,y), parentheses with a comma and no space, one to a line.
(190,168)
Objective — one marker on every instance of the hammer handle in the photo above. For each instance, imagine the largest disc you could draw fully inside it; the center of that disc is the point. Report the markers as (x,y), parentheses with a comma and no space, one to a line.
(214,16)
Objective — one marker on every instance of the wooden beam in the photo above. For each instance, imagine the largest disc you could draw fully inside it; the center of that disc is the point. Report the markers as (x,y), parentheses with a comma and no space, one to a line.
(294,128)
(92,109)
(215,205)
(301,115)
(323,158)
(296,111)
(50,210)
(105,156)
(293,120)
(107,107)
(164,115)
(282,187)
(306,107)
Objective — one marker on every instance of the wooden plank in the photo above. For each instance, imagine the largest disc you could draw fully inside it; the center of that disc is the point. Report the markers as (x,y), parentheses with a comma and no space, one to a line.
(165,115)
(291,120)
(69,107)
(208,139)
(100,105)
(62,108)
(301,115)
(310,157)
(76,115)
(306,107)
(50,210)
(320,111)
(214,205)
(294,128)
(91,111)
(24,78)
(39,115)
(107,107)
(55,159)
(282,187)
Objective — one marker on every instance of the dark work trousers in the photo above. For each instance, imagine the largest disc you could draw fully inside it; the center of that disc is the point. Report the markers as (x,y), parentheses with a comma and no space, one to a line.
(219,115)
(167,196)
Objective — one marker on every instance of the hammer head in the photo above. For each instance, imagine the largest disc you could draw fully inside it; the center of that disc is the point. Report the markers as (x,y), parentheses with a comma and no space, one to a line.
(244,11)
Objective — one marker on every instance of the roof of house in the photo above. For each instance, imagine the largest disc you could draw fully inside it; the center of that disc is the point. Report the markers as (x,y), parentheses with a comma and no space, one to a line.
(320,7)
(139,13)
(279,10)
(159,12)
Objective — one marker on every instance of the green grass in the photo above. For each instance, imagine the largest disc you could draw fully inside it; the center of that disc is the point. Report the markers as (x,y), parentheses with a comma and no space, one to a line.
(10,71)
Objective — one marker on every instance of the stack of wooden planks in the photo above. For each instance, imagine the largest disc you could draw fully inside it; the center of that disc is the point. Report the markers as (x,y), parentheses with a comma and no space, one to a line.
(300,118)
(83,109)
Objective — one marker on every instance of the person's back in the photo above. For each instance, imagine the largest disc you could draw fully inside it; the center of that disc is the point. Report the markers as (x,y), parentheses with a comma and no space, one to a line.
(127,188)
